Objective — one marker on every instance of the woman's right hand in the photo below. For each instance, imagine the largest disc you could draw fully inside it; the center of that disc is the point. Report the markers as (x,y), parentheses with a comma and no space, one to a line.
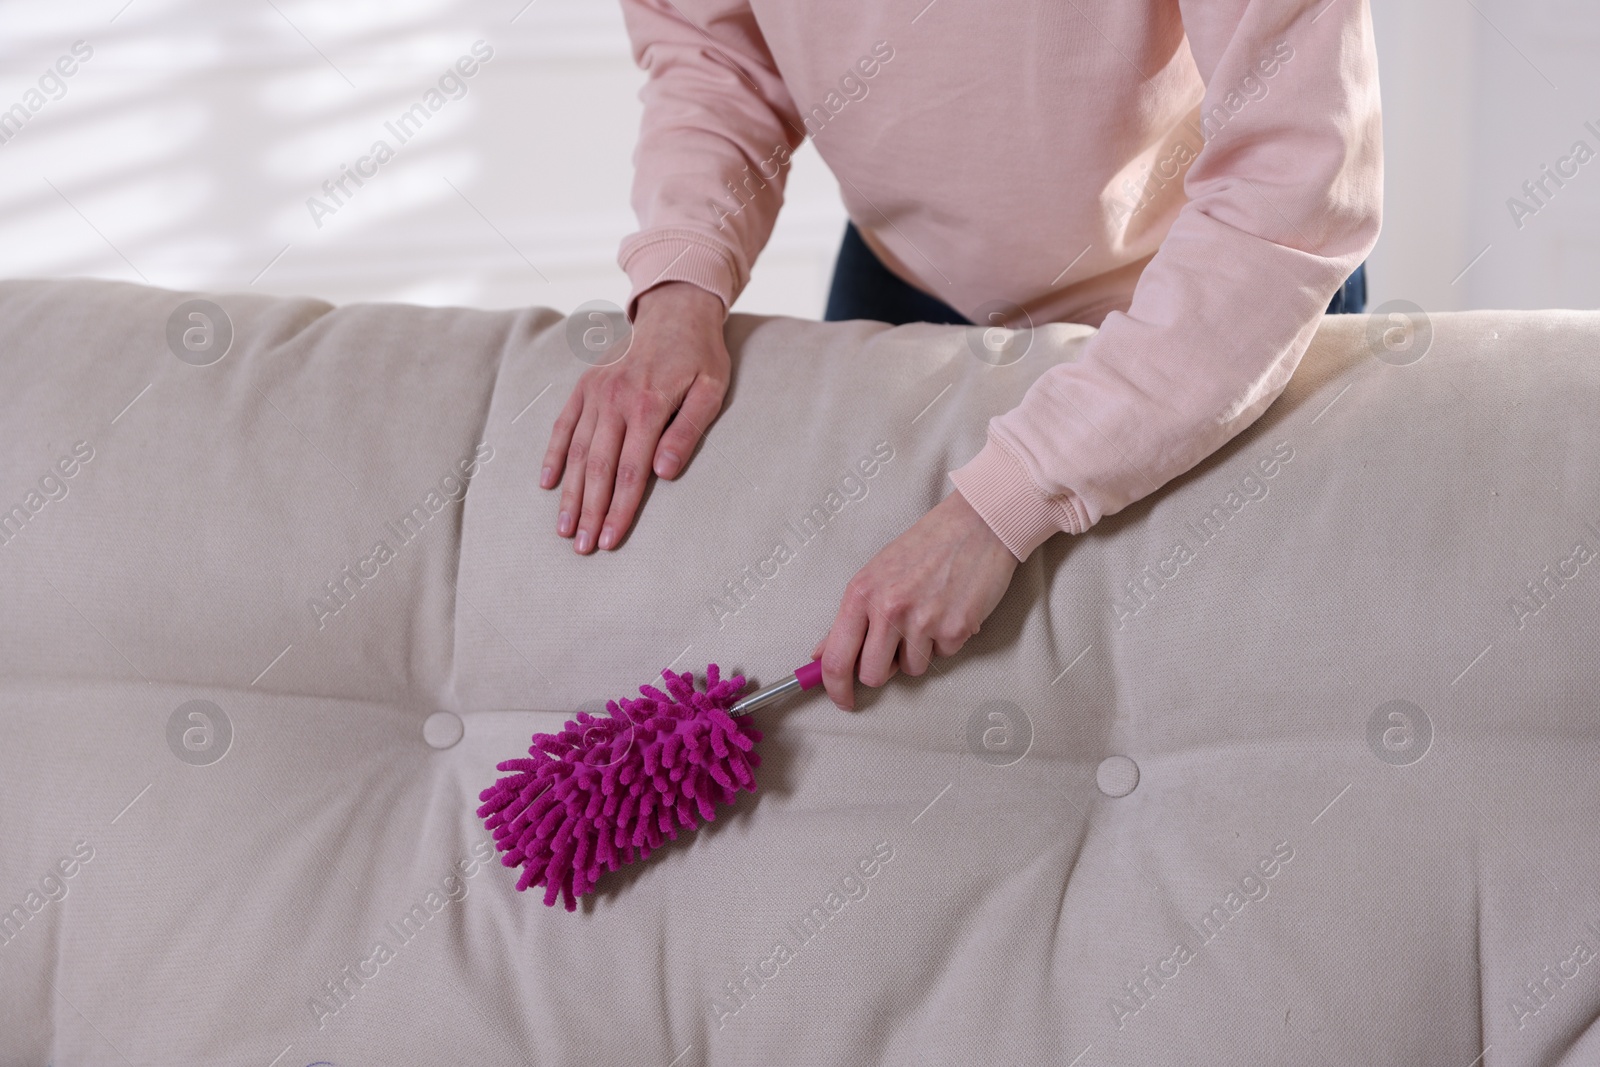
(646,412)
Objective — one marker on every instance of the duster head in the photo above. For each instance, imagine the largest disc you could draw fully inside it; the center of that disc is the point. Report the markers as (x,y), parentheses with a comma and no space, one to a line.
(607,790)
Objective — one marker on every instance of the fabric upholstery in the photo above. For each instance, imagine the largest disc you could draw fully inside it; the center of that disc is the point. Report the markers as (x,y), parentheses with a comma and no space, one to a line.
(981,877)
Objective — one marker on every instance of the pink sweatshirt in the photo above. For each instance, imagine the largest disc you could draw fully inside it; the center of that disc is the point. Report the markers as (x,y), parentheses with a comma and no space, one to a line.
(1194,177)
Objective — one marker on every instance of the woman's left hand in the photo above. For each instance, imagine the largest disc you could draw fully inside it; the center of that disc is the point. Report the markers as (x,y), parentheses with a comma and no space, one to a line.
(926,592)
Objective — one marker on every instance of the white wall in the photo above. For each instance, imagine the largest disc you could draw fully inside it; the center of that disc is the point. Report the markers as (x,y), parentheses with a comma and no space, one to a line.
(1478,96)
(183,152)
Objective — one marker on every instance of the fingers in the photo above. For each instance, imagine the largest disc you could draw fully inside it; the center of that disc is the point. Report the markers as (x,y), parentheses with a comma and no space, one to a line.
(916,655)
(841,648)
(577,455)
(604,446)
(874,650)
(877,664)
(633,470)
(951,643)
(926,593)
(599,473)
(700,406)
(555,455)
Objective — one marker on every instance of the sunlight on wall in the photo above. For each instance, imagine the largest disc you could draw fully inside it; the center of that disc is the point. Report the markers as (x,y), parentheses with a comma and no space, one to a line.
(211,147)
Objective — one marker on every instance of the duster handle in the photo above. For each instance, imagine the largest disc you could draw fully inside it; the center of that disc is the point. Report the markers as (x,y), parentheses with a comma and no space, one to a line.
(807,677)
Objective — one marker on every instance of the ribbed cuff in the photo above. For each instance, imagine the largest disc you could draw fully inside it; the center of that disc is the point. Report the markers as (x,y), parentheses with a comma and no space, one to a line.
(658,256)
(998,487)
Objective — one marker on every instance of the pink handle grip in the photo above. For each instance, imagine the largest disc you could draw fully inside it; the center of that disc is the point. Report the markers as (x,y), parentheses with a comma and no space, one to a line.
(810,676)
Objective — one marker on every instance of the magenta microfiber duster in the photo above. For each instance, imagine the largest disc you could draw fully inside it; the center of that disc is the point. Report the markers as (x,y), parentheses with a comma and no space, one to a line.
(608,790)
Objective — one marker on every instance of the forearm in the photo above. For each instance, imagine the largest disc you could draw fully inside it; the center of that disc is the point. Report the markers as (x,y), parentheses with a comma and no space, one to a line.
(1284,202)
(713,150)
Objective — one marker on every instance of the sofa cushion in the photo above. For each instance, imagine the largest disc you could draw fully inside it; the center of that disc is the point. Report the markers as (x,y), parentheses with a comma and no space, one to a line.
(1290,762)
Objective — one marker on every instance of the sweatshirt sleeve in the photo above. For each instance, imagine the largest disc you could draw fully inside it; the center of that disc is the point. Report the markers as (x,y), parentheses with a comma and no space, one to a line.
(713,149)
(1283,204)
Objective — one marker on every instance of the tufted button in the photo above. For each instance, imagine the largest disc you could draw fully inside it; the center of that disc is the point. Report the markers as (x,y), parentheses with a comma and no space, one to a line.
(443,729)
(1116,776)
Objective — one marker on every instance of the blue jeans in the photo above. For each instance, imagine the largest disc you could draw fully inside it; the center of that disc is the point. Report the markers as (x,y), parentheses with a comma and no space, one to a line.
(863,288)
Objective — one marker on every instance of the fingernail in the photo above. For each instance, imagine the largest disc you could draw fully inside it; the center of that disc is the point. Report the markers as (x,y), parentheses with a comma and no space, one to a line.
(564,525)
(583,541)
(544,478)
(606,537)
(667,464)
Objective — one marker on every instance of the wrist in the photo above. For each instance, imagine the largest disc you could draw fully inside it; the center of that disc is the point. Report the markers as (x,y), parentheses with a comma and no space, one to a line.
(973,519)
(680,300)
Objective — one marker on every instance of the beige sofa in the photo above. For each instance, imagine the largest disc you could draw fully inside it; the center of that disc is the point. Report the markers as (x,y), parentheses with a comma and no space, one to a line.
(1319,788)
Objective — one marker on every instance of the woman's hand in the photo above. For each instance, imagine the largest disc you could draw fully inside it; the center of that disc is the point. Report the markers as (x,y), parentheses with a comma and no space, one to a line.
(926,592)
(610,435)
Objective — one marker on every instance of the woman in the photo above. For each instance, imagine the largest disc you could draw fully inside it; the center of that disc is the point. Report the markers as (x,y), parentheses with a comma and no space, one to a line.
(1201,181)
